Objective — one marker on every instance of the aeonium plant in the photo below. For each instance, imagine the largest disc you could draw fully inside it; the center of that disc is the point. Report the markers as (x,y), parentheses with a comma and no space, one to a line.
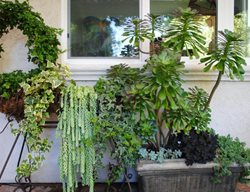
(158,96)
(149,107)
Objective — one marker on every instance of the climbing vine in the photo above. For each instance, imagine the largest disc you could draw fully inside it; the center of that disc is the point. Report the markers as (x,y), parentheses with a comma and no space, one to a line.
(36,89)
(75,128)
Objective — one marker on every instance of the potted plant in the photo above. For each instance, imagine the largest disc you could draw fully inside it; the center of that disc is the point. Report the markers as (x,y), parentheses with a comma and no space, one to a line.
(162,106)
(159,98)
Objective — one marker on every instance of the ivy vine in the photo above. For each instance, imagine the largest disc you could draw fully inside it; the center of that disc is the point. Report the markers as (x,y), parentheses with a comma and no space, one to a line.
(42,40)
(75,128)
(38,87)
(116,123)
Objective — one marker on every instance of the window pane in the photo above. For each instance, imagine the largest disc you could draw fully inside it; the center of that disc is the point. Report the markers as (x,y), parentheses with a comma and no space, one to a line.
(242,22)
(96,27)
(206,9)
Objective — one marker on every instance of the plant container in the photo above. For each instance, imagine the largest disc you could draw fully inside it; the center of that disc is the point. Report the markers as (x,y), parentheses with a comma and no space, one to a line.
(176,176)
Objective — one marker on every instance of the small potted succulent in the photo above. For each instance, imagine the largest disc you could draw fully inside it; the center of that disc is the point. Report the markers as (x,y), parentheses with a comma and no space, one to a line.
(181,118)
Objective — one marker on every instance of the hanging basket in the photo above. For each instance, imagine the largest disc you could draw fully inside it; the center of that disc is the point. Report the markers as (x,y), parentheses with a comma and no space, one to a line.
(14,106)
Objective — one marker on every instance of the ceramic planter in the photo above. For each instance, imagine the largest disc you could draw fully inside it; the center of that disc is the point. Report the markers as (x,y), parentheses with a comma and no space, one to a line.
(175,176)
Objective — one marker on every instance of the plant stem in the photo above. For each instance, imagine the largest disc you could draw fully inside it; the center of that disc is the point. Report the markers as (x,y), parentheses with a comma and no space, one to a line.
(159,123)
(214,89)
(144,52)
(128,183)
(170,130)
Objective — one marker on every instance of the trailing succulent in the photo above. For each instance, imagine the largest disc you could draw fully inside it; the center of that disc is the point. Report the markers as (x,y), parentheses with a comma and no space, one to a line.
(36,88)
(76,131)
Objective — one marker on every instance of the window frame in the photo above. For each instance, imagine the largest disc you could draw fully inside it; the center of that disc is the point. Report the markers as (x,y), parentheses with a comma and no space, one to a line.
(99,63)
(91,68)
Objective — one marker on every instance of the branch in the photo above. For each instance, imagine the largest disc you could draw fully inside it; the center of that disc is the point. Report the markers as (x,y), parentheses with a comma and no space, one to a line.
(170,130)
(214,89)
(159,123)
(144,52)
(152,49)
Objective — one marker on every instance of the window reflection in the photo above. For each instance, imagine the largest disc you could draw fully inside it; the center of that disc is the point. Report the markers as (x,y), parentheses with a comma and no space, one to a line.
(242,23)
(96,28)
(206,9)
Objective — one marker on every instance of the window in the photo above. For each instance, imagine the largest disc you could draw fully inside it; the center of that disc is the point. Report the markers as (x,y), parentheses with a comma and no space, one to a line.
(242,22)
(96,28)
(205,8)
(92,35)
(93,28)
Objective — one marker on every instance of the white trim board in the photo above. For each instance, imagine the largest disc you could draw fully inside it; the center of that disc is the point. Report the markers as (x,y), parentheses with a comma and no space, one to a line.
(189,76)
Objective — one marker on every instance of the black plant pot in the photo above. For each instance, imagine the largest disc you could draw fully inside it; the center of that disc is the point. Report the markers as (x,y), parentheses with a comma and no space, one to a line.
(175,176)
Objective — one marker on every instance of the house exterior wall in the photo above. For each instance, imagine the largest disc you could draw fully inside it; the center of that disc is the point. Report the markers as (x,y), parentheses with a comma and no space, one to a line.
(230,106)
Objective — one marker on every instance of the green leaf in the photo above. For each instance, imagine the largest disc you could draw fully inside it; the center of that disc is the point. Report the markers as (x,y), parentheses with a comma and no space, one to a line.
(162,94)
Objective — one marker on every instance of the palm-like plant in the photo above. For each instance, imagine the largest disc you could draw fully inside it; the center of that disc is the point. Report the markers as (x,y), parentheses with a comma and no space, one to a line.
(184,34)
(227,58)
(158,96)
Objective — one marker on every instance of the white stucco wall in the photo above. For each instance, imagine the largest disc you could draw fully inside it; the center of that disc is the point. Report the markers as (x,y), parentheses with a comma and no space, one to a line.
(230,107)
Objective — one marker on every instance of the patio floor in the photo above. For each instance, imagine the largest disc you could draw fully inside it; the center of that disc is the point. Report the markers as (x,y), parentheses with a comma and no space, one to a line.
(58,188)
(243,187)
(99,188)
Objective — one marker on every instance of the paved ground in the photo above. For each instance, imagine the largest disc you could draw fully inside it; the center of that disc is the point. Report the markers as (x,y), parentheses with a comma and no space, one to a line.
(243,188)
(36,189)
(57,188)
(12,189)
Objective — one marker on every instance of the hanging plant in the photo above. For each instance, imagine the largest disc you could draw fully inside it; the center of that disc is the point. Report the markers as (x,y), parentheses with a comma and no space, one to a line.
(11,94)
(75,129)
(27,96)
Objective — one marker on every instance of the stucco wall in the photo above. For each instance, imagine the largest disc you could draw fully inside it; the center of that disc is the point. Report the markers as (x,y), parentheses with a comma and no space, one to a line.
(230,107)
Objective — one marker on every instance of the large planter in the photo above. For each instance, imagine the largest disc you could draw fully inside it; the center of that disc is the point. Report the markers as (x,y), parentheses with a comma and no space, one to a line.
(175,176)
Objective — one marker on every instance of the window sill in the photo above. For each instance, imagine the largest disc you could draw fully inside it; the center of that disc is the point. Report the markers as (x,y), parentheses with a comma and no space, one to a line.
(92,72)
